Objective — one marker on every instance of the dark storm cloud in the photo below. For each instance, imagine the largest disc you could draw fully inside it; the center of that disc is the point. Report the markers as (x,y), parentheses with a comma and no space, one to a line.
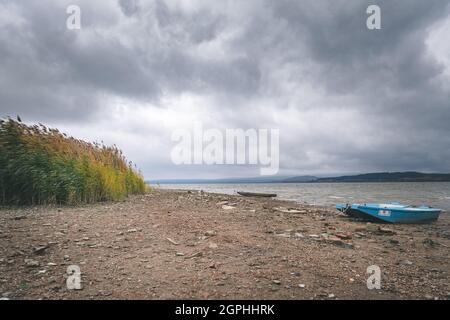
(111,56)
(129,7)
(338,92)
(389,71)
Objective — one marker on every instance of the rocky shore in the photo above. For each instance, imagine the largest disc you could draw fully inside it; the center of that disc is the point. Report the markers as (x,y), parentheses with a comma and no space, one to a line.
(172,244)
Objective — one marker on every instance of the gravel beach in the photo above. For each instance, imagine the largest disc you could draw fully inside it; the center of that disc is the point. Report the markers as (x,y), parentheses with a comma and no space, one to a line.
(171,244)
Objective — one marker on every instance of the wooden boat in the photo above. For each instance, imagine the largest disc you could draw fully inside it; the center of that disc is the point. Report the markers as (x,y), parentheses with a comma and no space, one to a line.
(254,194)
(391,213)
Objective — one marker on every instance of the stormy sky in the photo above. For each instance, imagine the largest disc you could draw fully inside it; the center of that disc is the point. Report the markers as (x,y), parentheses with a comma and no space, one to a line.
(346,99)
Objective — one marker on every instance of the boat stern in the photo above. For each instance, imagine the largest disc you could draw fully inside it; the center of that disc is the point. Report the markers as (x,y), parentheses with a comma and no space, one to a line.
(341,207)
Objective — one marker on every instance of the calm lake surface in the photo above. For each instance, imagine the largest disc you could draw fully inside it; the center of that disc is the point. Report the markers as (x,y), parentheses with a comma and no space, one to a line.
(436,194)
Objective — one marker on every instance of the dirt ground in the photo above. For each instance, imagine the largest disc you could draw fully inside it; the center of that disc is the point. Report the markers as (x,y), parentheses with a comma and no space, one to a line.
(189,245)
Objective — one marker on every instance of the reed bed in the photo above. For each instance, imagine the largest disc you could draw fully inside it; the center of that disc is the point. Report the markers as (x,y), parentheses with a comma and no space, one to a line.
(40,165)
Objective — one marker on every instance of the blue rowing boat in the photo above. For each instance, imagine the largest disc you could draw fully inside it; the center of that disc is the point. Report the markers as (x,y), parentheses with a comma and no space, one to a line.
(391,213)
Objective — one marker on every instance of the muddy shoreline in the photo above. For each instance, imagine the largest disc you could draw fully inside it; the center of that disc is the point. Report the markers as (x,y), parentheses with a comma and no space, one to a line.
(174,244)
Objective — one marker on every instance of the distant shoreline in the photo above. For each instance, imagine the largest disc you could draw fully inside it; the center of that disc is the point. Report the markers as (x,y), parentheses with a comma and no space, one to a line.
(308,182)
(383,177)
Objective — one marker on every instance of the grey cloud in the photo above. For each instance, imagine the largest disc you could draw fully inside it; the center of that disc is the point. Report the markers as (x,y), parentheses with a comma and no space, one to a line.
(129,7)
(255,61)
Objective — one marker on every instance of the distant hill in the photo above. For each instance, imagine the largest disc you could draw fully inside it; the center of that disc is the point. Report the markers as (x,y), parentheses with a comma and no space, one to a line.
(390,177)
(300,179)
(367,177)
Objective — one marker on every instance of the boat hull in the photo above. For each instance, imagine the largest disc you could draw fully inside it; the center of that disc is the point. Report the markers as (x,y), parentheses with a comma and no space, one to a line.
(259,195)
(391,213)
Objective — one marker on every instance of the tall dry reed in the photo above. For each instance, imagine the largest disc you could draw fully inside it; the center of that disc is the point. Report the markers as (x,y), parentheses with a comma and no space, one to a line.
(40,165)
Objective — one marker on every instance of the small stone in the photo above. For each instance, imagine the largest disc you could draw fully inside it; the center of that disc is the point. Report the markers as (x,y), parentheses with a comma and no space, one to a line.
(226,207)
(51,264)
(430,242)
(197,254)
(31,263)
(277,282)
(179,254)
(371,227)
(407,262)
(338,242)
(210,233)
(274,289)
(40,249)
(213,245)
(172,241)
(344,236)
(133,230)
(301,285)
(331,296)
(66,257)
(292,211)
(386,231)
(283,235)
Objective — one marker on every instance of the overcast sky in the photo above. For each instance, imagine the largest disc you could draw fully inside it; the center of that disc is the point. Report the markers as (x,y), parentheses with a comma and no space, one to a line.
(345,99)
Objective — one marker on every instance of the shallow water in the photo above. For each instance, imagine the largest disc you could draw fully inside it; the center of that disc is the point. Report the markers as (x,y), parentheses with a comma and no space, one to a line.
(436,194)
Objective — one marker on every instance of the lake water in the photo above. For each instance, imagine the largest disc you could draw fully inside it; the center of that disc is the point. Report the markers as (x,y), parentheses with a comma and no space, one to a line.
(436,194)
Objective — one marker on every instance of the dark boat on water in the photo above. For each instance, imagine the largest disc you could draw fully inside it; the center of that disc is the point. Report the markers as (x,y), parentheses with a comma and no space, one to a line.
(254,194)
